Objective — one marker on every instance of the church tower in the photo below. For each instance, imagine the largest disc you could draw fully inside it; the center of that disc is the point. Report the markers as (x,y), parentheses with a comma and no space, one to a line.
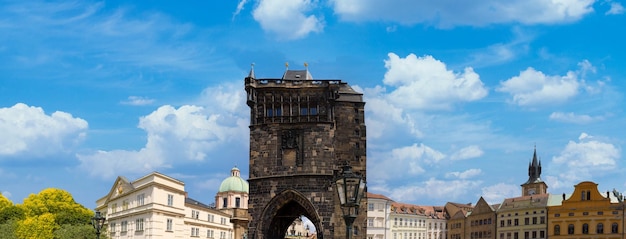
(302,131)
(534,185)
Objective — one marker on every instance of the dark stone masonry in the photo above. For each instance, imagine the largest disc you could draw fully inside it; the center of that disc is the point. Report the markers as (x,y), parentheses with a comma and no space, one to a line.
(302,130)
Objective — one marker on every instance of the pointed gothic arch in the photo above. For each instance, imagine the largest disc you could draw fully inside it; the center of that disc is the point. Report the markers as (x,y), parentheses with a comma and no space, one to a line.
(282,210)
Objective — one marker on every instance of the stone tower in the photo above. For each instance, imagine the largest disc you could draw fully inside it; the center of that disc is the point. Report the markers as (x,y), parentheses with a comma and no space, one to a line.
(534,185)
(302,130)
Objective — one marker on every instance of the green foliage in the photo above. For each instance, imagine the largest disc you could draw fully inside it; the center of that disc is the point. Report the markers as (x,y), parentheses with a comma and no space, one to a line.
(4,202)
(37,227)
(50,214)
(12,212)
(7,229)
(52,200)
(68,231)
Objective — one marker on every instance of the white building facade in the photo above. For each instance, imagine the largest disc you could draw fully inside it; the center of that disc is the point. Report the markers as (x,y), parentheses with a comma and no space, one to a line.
(378,210)
(157,206)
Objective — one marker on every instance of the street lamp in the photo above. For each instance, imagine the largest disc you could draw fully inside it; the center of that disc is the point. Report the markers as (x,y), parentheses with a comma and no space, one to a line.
(350,188)
(98,222)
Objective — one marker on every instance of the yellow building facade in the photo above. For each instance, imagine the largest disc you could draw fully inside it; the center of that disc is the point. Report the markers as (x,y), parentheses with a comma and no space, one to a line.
(587,213)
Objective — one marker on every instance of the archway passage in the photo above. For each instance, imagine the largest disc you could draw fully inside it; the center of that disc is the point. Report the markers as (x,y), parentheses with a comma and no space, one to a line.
(283,210)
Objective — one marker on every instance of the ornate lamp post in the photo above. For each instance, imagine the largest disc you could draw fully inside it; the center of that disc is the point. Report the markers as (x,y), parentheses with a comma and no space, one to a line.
(98,222)
(350,188)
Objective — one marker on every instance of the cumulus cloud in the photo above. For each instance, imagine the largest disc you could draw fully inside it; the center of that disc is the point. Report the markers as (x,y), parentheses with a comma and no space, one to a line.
(583,159)
(533,88)
(470,173)
(571,117)
(410,158)
(434,189)
(288,19)
(426,83)
(466,13)
(616,9)
(468,152)
(137,101)
(29,131)
(497,193)
(174,135)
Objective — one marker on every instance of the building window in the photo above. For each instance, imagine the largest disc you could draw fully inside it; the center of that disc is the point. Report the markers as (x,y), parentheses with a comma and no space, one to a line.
(600,228)
(209,233)
(170,200)
(125,205)
(124,226)
(370,222)
(534,234)
(210,218)
(542,220)
(557,230)
(114,208)
(585,228)
(168,226)
(237,202)
(195,232)
(225,203)
(112,227)
(542,234)
(370,207)
(140,199)
(526,235)
(600,213)
(570,229)
(614,228)
(557,215)
(526,221)
(516,222)
(534,220)
(139,224)
(195,214)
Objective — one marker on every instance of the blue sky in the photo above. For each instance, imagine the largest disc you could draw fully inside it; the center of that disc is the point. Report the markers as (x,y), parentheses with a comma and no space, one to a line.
(458,93)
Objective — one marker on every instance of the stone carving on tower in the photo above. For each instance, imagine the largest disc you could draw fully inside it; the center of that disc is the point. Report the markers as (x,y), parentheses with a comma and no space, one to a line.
(302,130)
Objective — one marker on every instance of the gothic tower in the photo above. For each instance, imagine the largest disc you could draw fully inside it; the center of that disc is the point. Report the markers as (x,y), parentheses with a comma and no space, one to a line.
(534,185)
(302,130)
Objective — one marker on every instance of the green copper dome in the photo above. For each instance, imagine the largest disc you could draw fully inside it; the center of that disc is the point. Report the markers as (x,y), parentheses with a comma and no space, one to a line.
(234,183)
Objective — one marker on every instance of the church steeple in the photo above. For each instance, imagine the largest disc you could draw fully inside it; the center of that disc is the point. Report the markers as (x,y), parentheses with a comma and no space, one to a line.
(534,185)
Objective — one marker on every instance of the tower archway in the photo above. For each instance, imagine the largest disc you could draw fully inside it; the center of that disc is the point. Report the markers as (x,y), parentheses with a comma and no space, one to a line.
(282,210)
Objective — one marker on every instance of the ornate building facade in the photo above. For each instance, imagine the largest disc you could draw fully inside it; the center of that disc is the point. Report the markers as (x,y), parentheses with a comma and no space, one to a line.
(157,206)
(302,130)
(587,213)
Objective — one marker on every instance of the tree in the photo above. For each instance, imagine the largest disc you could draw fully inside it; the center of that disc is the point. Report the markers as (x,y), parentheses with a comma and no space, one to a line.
(7,229)
(37,227)
(67,231)
(54,201)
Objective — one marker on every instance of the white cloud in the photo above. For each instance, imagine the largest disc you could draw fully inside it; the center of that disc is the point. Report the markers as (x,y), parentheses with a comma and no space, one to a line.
(497,193)
(616,9)
(468,152)
(571,117)
(137,101)
(583,159)
(28,130)
(176,135)
(426,83)
(240,6)
(464,13)
(470,173)
(288,19)
(533,88)
(434,189)
(409,158)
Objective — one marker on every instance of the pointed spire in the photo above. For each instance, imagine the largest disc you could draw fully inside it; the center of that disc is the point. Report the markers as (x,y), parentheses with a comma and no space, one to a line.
(251,74)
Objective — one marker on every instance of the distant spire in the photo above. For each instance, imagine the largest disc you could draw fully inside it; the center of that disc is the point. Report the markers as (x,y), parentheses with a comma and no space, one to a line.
(251,74)
(534,168)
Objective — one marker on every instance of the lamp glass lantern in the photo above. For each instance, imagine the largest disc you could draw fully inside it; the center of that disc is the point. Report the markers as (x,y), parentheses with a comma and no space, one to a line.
(98,223)
(350,189)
